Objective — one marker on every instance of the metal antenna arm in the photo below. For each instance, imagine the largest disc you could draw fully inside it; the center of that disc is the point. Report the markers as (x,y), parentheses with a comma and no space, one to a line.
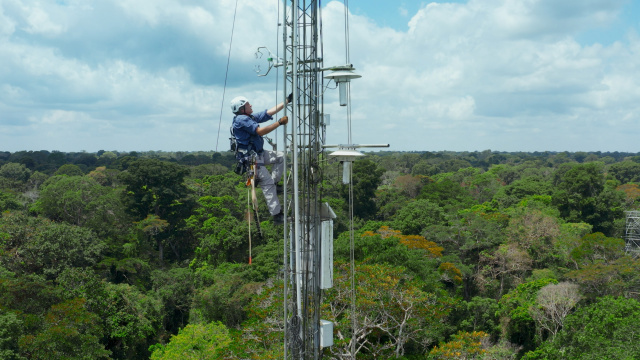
(260,52)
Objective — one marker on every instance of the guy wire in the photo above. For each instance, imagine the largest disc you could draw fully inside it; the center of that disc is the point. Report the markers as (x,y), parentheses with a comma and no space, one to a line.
(226,75)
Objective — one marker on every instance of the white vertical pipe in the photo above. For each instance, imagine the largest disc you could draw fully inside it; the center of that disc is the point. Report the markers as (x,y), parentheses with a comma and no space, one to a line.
(296,197)
(285,261)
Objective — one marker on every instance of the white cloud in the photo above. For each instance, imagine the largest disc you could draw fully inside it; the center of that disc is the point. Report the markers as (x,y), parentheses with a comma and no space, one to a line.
(462,67)
(39,23)
(149,74)
(61,118)
(31,17)
(7,25)
(452,109)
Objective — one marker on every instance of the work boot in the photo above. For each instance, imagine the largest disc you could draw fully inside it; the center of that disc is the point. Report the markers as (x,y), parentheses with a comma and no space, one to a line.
(278,218)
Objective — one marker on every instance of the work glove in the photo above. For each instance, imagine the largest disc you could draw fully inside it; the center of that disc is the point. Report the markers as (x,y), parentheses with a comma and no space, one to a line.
(283,120)
(290,98)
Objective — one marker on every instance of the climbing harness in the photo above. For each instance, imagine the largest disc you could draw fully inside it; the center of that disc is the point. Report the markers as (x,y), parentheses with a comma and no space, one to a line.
(243,156)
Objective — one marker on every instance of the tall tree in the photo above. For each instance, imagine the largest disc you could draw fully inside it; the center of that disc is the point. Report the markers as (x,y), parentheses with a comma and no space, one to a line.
(39,246)
(464,345)
(195,342)
(69,332)
(535,232)
(517,324)
(157,188)
(127,316)
(11,327)
(392,312)
(478,314)
(417,216)
(16,172)
(14,176)
(553,303)
(625,171)
(502,269)
(82,201)
(447,193)
(607,329)
(581,196)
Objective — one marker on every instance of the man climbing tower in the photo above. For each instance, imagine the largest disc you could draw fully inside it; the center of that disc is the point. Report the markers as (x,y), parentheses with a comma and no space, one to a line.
(248,133)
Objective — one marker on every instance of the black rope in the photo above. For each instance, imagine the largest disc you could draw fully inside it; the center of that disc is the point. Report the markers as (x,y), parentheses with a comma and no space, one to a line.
(226,75)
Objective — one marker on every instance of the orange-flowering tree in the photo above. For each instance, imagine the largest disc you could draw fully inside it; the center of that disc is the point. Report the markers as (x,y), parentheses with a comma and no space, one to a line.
(449,272)
(411,241)
(631,192)
(423,258)
(391,312)
(463,346)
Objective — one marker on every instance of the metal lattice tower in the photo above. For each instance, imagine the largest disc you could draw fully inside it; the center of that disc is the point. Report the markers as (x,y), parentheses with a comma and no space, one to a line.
(303,144)
(632,233)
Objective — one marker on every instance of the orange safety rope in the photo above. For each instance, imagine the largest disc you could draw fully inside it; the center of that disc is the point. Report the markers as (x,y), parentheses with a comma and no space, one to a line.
(251,193)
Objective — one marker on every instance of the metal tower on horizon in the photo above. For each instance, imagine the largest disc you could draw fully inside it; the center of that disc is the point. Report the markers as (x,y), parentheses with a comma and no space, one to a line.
(632,233)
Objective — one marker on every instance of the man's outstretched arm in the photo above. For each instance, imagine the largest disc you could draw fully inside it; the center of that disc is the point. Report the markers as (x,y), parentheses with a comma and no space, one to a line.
(262,131)
(280,106)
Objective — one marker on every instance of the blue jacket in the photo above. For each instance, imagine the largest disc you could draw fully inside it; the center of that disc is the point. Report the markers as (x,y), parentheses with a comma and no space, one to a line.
(244,129)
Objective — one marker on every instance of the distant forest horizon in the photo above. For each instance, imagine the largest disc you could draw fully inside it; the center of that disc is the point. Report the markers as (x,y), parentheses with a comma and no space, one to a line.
(477,255)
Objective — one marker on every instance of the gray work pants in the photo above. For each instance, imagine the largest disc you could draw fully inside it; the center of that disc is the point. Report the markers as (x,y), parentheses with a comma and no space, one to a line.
(267,181)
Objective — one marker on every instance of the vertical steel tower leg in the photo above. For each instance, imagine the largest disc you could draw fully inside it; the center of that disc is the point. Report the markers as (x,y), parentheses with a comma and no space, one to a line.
(304,147)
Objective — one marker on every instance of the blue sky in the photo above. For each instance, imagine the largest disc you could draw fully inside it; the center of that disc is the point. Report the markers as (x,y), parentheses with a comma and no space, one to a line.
(505,75)
(394,14)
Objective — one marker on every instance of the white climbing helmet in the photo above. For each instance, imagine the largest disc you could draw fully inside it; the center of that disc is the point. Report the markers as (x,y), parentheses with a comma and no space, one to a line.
(237,103)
